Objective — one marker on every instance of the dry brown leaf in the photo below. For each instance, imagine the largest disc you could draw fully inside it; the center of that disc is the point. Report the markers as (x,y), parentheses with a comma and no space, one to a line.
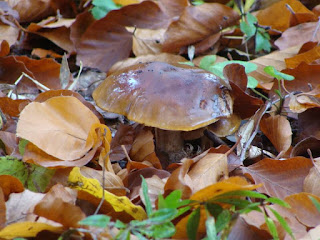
(307,126)
(311,182)
(9,33)
(302,72)
(275,59)
(147,41)
(57,31)
(4,48)
(208,170)
(10,184)
(281,15)
(278,130)
(59,205)
(32,10)
(155,188)
(197,23)
(307,57)
(59,126)
(292,37)
(301,102)
(280,178)
(305,211)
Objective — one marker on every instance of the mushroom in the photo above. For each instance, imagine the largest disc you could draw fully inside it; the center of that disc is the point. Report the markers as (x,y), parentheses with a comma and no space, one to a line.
(170,98)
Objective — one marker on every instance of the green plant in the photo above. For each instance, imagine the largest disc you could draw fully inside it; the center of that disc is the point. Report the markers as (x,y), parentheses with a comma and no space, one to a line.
(250,27)
(221,212)
(102,7)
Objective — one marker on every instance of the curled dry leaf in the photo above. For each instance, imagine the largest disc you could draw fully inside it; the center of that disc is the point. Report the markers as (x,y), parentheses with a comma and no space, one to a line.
(278,130)
(197,23)
(307,57)
(280,178)
(57,32)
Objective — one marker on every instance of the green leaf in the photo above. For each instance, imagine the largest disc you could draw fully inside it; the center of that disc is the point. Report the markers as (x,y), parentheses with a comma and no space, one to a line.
(244,193)
(249,208)
(223,220)
(102,7)
(283,222)
(123,235)
(252,82)
(207,61)
(162,215)
(211,228)
(247,29)
(276,74)
(262,42)
(277,201)
(315,202)
(33,177)
(193,224)
(146,196)
(197,2)
(22,145)
(272,227)
(164,230)
(251,19)
(98,220)
(213,209)
(119,224)
(217,68)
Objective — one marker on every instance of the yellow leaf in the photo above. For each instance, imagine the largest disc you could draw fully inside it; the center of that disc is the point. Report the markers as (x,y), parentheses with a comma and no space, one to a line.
(228,185)
(26,229)
(93,187)
(126,2)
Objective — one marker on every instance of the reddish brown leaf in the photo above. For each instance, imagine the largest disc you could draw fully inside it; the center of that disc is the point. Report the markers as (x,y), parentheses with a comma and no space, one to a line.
(58,209)
(10,184)
(2,210)
(280,178)
(278,130)
(307,57)
(197,23)
(4,49)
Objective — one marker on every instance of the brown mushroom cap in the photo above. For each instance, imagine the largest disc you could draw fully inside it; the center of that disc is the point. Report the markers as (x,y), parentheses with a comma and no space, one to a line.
(164,96)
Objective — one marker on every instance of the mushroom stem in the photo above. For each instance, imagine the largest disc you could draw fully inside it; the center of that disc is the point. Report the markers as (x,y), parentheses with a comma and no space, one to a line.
(169,146)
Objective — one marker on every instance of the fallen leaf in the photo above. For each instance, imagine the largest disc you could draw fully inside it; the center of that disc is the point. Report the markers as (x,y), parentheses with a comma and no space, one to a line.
(280,178)
(281,15)
(278,130)
(27,229)
(93,187)
(303,208)
(307,57)
(58,127)
(9,184)
(310,184)
(147,41)
(291,36)
(197,23)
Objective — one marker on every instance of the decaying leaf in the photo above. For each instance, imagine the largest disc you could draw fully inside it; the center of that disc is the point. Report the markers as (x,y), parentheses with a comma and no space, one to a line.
(112,202)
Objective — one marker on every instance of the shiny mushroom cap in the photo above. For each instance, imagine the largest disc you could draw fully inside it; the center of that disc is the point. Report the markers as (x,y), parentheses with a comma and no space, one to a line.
(165,96)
